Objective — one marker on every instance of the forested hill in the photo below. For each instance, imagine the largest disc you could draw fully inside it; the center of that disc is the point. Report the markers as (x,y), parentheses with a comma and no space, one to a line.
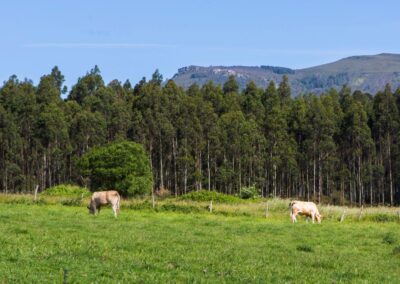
(340,146)
(365,73)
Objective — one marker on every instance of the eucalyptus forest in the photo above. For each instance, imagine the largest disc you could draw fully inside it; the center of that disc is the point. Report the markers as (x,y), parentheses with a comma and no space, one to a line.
(340,147)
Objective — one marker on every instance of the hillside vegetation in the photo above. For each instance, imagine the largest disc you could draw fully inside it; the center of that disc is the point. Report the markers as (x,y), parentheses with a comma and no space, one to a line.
(365,73)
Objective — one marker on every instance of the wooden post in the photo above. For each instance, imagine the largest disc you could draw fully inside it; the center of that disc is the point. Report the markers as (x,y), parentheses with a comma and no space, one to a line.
(36,191)
(210,207)
(361,212)
(343,215)
(266,211)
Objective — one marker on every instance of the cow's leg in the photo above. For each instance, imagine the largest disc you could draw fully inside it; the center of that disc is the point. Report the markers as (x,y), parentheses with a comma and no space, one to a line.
(313,217)
(114,208)
(293,216)
(118,204)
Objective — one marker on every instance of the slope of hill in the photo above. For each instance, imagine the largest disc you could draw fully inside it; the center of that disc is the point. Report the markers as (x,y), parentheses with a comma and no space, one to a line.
(368,73)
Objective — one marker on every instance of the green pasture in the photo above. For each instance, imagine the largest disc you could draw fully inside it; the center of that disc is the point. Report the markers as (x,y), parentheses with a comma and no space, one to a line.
(47,242)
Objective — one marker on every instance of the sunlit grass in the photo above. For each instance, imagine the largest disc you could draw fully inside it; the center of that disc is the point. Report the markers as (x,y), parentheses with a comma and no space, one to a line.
(40,243)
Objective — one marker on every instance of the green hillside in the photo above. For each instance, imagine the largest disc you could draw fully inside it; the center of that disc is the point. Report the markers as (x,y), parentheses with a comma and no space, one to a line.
(364,73)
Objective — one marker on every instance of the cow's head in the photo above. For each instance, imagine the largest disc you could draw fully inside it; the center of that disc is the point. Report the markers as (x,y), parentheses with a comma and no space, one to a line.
(91,209)
(319,218)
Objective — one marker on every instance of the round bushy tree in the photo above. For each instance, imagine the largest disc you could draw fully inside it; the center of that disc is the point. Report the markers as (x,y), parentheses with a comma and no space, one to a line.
(123,166)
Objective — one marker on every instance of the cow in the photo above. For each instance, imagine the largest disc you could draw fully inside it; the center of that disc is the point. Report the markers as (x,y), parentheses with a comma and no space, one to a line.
(308,209)
(100,198)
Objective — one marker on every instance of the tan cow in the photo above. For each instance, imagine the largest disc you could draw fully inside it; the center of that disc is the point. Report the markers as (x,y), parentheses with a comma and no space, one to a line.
(100,198)
(304,208)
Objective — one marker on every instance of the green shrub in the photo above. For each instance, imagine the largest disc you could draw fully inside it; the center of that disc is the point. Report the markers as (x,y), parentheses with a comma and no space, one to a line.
(180,208)
(123,166)
(305,248)
(134,185)
(396,251)
(389,238)
(139,205)
(383,218)
(250,192)
(26,201)
(72,202)
(67,190)
(204,195)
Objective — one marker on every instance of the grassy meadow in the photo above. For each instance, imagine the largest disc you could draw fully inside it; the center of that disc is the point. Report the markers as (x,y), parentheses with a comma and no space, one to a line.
(55,239)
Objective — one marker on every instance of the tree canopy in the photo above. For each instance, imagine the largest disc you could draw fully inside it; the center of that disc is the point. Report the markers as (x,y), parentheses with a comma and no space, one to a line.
(123,166)
(340,146)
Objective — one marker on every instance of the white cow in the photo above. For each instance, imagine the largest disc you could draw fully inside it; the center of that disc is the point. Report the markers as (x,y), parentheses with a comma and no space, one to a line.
(100,198)
(304,208)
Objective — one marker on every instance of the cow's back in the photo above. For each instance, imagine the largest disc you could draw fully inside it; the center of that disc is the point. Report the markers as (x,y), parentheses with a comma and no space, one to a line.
(305,207)
(112,195)
(104,197)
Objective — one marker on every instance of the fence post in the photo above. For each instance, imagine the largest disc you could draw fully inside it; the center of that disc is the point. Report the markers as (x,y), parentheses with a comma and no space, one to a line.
(36,191)
(266,211)
(361,212)
(343,215)
(210,207)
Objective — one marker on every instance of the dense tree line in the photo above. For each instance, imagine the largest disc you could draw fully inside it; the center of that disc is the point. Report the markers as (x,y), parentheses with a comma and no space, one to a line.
(339,146)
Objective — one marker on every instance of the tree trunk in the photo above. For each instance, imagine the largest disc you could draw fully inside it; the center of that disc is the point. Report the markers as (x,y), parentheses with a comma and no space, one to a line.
(382,185)
(185,179)
(208,165)
(240,174)
(174,150)
(370,184)
(319,178)
(314,172)
(161,166)
(360,193)
(200,171)
(44,171)
(274,180)
(390,171)
(307,184)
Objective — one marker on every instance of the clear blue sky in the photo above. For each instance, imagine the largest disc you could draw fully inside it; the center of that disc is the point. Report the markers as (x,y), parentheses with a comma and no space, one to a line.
(130,39)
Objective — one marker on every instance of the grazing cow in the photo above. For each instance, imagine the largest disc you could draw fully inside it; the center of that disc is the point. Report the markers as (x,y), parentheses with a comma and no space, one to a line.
(100,198)
(304,208)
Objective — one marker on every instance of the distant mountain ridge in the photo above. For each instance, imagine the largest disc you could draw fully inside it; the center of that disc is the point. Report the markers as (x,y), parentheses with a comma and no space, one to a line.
(368,73)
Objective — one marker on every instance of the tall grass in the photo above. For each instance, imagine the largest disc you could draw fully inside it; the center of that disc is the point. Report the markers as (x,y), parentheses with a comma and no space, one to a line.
(232,206)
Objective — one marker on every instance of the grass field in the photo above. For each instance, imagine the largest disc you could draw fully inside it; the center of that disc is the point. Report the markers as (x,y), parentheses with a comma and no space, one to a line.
(42,243)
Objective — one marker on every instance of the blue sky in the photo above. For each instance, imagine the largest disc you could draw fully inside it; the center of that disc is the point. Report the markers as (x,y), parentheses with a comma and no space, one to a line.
(130,39)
